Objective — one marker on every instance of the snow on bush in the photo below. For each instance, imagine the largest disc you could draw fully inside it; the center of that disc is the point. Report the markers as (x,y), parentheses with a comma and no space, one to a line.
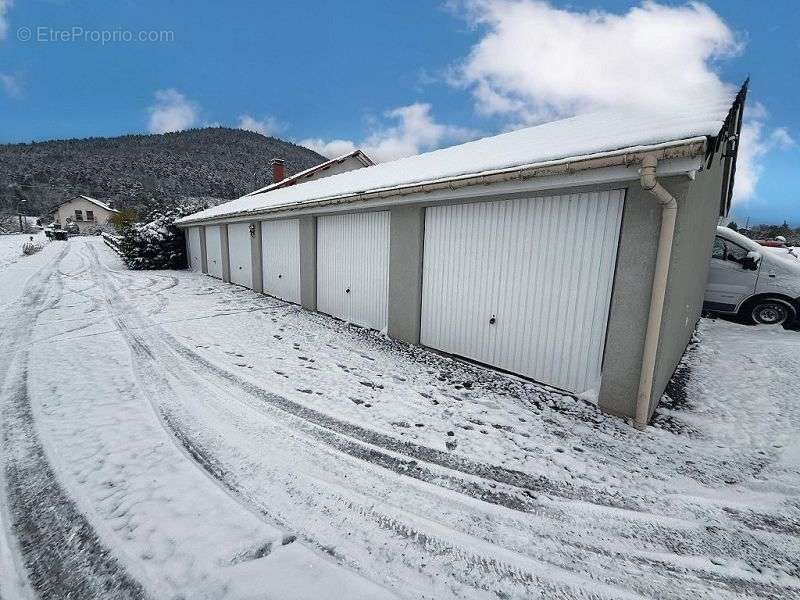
(157,243)
(31,247)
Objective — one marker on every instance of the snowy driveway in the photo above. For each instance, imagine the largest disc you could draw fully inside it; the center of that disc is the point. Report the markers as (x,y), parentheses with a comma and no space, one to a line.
(166,435)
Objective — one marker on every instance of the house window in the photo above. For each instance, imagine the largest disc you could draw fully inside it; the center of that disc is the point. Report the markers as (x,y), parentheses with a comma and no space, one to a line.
(90,215)
(78,215)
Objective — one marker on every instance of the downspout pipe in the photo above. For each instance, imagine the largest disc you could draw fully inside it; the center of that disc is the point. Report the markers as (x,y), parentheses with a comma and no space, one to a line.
(669,212)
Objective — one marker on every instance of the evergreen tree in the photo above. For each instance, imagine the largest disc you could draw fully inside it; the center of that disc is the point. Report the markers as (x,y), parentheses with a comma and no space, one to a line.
(157,243)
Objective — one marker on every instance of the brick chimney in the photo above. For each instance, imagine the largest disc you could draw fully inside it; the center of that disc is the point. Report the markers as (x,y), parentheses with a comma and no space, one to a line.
(278,170)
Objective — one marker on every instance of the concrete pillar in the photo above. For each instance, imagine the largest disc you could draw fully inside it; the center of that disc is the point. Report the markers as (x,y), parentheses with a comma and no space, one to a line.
(255,257)
(308,262)
(406,240)
(630,299)
(188,249)
(226,254)
(203,251)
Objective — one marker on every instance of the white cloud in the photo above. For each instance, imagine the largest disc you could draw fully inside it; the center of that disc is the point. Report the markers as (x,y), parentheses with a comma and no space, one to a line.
(5,6)
(330,149)
(754,144)
(534,62)
(10,85)
(171,111)
(265,126)
(781,139)
(415,130)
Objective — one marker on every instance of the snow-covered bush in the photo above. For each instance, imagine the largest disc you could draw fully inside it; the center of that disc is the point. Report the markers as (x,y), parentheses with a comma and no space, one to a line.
(157,243)
(31,247)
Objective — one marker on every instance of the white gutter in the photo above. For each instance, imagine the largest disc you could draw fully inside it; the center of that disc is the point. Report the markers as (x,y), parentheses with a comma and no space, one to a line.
(669,211)
(627,157)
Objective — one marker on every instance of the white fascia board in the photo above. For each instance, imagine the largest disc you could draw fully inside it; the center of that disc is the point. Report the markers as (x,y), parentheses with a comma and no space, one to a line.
(608,175)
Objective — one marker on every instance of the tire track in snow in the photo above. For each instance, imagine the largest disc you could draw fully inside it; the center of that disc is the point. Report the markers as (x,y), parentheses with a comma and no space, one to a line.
(150,348)
(494,563)
(61,552)
(348,438)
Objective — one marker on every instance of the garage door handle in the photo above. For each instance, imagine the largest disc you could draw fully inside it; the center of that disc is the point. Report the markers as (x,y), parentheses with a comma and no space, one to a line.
(347,291)
(280,275)
(492,320)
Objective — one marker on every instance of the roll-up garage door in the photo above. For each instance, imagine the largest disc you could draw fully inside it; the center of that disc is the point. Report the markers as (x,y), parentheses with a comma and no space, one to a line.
(214,251)
(239,254)
(193,244)
(280,243)
(524,285)
(353,267)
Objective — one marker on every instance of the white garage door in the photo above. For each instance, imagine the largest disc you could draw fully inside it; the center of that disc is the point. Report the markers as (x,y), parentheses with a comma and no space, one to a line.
(280,243)
(239,254)
(353,267)
(214,251)
(524,285)
(193,245)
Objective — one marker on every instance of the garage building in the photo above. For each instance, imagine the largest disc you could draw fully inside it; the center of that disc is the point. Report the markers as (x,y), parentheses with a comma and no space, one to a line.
(573,253)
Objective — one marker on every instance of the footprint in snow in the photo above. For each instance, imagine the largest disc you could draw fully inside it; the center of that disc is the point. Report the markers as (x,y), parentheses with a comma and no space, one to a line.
(263,550)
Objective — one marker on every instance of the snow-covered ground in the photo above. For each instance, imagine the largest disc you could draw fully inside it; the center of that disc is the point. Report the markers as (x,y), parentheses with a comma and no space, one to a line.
(166,435)
(11,246)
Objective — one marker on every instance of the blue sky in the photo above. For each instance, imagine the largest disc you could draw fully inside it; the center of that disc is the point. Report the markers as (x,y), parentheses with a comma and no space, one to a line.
(399,77)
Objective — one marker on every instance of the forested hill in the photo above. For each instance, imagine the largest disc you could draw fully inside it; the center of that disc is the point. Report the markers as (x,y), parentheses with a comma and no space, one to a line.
(144,171)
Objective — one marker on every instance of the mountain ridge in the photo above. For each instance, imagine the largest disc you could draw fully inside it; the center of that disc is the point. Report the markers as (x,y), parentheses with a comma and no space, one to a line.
(143,171)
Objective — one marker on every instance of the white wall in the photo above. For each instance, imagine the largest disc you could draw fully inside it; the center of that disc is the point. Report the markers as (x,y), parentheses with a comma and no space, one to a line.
(353,267)
(101,215)
(193,246)
(214,251)
(541,268)
(239,254)
(280,242)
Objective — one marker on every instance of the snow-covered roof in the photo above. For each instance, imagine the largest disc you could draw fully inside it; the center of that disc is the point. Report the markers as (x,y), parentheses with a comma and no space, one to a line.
(575,138)
(102,205)
(298,177)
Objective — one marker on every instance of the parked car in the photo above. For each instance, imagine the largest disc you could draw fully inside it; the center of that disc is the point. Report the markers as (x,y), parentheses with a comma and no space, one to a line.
(748,280)
(778,242)
(785,251)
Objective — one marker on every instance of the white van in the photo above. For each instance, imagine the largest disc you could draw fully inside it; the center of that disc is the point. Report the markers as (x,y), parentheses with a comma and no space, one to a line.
(747,280)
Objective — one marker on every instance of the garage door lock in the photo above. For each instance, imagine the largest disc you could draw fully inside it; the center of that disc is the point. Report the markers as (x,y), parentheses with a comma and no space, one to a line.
(492,320)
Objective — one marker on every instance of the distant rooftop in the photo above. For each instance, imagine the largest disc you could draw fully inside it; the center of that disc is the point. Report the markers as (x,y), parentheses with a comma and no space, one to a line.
(92,200)
(310,172)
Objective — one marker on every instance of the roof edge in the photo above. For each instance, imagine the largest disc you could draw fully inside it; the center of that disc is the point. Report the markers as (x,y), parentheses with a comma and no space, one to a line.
(685,148)
(94,201)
